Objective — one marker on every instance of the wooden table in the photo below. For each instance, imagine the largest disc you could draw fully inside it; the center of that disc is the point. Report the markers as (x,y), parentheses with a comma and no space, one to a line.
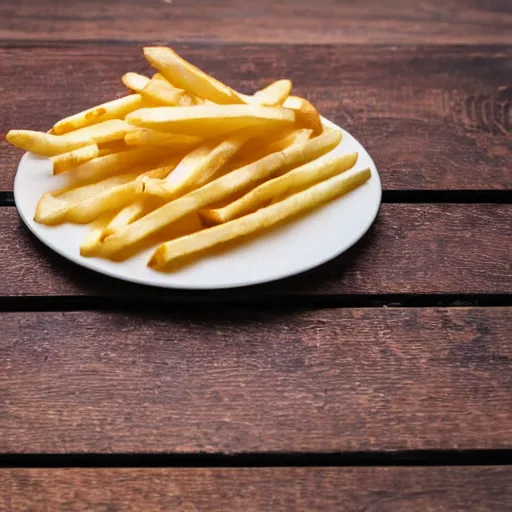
(379,381)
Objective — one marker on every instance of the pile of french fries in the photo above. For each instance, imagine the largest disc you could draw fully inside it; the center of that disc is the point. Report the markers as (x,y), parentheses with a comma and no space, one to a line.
(186,163)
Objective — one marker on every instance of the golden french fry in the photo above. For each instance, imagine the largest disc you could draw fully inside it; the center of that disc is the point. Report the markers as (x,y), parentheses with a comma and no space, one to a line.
(160,91)
(67,161)
(112,199)
(47,144)
(188,224)
(297,136)
(147,137)
(188,77)
(111,222)
(298,179)
(116,146)
(93,238)
(210,120)
(296,204)
(274,95)
(135,81)
(254,151)
(109,165)
(128,214)
(115,109)
(115,197)
(219,189)
(84,204)
(53,207)
(305,113)
(198,167)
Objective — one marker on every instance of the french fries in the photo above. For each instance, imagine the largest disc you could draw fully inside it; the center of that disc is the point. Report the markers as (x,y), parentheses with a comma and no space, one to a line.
(66,161)
(82,205)
(115,109)
(53,207)
(198,167)
(302,177)
(308,199)
(126,215)
(273,95)
(111,164)
(47,144)
(160,91)
(297,136)
(135,82)
(217,190)
(252,154)
(183,151)
(188,77)
(115,146)
(147,137)
(210,120)
(306,114)
(91,241)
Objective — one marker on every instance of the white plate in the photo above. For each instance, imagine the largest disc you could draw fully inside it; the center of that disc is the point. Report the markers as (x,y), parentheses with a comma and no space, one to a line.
(291,249)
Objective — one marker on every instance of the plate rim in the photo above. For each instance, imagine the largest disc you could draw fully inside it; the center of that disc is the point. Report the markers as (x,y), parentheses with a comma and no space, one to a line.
(88,263)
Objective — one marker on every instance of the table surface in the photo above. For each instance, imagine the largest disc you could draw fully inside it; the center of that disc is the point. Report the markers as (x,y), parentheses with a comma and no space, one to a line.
(379,381)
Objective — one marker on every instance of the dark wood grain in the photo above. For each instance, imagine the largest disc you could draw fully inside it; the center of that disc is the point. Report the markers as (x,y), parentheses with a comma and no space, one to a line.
(288,21)
(431,117)
(257,490)
(415,249)
(238,381)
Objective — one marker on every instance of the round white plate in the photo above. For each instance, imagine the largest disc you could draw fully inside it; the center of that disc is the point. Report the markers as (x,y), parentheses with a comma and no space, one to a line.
(290,249)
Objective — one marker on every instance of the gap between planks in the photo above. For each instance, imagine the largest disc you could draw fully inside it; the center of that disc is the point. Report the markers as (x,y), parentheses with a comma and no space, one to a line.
(213,300)
(412,458)
(401,197)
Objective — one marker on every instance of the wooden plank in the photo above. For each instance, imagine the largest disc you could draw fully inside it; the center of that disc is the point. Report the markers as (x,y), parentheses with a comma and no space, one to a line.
(412,248)
(262,489)
(239,381)
(289,21)
(431,117)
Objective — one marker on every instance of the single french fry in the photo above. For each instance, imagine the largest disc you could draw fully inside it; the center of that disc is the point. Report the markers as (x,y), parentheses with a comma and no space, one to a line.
(210,120)
(219,189)
(111,199)
(305,113)
(44,144)
(53,207)
(116,146)
(115,197)
(135,81)
(47,144)
(115,109)
(186,225)
(93,238)
(198,167)
(254,151)
(297,136)
(274,95)
(110,222)
(147,137)
(110,165)
(128,214)
(67,161)
(84,204)
(160,91)
(300,178)
(188,77)
(296,204)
